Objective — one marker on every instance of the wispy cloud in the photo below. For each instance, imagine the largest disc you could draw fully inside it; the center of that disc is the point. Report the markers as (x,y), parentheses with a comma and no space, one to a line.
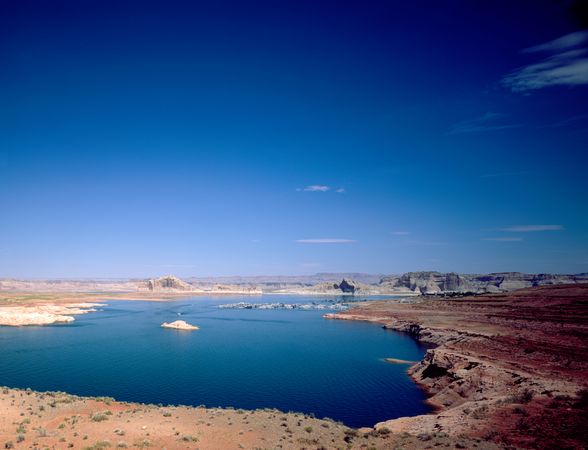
(490,121)
(326,241)
(316,188)
(566,66)
(503,239)
(532,228)
(400,233)
(340,191)
(562,43)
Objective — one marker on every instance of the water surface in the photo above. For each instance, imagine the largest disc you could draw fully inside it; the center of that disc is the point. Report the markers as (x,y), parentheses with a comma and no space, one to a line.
(286,359)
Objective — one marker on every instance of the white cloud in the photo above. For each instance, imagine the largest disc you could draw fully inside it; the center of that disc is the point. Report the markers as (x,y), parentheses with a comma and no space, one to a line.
(503,239)
(317,188)
(340,191)
(532,228)
(562,43)
(326,241)
(490,121)
(400,233)
(566,66)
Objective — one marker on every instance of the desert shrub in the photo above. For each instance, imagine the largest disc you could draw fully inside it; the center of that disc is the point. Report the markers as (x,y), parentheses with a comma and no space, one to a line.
(143,443)
(20,438)
(189,438)
(8,444)
(522,397)
(383,431)
(480,413)
(100,445)
(98,417)
(349,435)
(308,429)
(41,432)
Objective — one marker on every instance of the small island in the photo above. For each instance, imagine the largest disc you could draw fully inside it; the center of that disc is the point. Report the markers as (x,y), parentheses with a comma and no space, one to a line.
(179,325)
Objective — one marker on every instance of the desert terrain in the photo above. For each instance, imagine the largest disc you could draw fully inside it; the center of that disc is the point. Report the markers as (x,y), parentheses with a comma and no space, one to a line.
(56,420)
(511,368)
(505,370)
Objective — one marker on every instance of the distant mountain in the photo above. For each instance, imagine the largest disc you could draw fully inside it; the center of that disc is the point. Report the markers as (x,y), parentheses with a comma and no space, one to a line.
(410,283)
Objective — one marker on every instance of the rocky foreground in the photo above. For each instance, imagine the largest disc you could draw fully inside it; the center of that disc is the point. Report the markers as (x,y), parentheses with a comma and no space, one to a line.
(507,368)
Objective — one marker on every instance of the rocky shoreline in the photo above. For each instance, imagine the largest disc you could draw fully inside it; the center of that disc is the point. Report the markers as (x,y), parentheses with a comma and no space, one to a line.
(17,316)
(510,368)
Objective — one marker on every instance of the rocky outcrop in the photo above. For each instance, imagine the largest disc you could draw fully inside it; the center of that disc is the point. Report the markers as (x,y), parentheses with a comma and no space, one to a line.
(506,367)
(439,283)
(168,283)
(347,287)
(179,325)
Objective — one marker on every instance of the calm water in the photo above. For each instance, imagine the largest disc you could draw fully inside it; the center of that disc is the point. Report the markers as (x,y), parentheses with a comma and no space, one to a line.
(290,360)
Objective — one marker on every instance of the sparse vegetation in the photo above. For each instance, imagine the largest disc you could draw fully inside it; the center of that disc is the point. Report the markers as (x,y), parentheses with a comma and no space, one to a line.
(100,445)
(99,417)
(480,413)
(189,438)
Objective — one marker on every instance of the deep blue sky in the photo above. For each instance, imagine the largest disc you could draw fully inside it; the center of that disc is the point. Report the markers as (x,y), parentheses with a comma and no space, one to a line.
(141,138)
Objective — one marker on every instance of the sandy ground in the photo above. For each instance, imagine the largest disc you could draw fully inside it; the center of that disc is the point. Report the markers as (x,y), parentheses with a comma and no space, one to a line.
(59,421)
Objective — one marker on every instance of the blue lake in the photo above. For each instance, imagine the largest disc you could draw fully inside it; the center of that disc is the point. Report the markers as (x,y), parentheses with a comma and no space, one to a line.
(287,359)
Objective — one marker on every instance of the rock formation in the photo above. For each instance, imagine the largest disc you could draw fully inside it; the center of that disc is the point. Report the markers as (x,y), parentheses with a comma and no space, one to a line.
(168,283)
(345,286)
(437,283)
(179,325)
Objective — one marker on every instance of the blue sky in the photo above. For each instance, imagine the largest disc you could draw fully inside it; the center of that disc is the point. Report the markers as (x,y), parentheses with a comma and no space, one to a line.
(143,138)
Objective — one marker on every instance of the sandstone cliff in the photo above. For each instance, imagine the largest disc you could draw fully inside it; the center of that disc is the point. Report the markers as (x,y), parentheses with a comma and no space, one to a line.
(437,282)
(168,283)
